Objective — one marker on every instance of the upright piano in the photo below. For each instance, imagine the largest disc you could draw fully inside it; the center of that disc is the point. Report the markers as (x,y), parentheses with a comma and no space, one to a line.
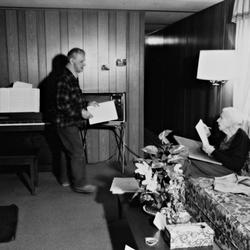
(19,144)
(21,121)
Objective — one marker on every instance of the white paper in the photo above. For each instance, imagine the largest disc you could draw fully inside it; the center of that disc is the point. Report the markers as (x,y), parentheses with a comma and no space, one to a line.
(24,100)
(19,100)
(19,84)
(160,221)
(4,100)
(124,185)
(128,248)
(201,131)
(106,111)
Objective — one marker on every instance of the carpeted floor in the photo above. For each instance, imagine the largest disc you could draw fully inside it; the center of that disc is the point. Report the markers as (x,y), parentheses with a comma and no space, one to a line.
(57,218)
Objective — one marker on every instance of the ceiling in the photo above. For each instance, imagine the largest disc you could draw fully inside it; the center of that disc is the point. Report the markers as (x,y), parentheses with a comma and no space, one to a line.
(159,13)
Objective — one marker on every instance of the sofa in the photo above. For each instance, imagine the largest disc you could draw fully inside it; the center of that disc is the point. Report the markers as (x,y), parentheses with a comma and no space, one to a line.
(228,214)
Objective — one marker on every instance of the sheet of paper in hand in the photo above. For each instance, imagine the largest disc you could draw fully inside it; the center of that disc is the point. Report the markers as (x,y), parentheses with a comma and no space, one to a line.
(106,111)
(201,131)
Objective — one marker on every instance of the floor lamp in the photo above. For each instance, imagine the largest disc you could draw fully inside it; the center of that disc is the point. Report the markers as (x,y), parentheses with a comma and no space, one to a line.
(217,66)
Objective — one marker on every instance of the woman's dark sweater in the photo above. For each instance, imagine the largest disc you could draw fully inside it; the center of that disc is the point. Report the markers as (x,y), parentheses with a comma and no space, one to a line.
(233,153)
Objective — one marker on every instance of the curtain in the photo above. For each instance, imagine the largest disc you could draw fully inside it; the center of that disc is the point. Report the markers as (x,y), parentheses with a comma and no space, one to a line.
(241,92)
(241,10)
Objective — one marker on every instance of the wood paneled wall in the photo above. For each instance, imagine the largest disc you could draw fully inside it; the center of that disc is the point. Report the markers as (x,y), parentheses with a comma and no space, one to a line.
(31,38)
(171,64)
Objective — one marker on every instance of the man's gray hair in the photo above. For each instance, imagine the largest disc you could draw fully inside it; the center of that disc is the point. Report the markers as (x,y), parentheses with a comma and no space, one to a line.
(75,51)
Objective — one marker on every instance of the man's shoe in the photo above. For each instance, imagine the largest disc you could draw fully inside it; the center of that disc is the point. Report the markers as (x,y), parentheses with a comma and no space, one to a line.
(65,184)
(86,189)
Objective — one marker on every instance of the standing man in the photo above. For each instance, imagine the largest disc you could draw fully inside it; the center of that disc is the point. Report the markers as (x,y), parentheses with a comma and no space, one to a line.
(71,116)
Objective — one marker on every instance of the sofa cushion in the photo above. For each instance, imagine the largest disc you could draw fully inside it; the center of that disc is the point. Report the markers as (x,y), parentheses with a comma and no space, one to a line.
(228,214)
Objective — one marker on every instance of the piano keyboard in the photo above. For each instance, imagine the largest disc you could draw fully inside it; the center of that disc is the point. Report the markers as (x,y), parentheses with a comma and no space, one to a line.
(23,124)
(22,121)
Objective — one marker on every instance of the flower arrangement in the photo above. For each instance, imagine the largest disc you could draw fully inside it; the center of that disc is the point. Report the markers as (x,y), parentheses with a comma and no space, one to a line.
(161,179)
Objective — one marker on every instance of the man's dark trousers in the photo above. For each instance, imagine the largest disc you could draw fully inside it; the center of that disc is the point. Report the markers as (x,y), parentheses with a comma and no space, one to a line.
(72,143)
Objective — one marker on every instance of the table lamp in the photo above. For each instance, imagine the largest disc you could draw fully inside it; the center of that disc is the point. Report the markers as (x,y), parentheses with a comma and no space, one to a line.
(217,66)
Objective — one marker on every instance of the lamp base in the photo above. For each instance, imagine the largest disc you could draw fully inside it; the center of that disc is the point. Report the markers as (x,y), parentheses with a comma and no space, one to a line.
(217,82)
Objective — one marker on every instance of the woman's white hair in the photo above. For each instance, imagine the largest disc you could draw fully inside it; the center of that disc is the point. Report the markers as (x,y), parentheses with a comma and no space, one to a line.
(233,115)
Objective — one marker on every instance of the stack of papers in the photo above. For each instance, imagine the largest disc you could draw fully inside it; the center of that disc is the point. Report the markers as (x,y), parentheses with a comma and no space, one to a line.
(124,185)
(232,184)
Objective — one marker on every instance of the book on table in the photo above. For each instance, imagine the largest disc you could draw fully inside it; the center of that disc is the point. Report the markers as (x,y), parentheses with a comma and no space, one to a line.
(121,185)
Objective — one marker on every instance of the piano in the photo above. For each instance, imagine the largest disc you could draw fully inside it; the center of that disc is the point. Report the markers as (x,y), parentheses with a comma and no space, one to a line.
(21,121)
(20,144)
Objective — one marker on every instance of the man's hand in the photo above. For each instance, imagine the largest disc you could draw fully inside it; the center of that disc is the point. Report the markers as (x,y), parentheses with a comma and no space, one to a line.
(93,103)
(208,149)
(86,114)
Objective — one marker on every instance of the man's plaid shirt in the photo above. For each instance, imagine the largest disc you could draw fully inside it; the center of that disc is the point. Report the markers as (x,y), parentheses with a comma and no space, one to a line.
(70,101)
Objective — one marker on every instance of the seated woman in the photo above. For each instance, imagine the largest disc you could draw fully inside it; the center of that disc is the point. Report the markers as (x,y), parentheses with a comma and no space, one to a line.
(229,146)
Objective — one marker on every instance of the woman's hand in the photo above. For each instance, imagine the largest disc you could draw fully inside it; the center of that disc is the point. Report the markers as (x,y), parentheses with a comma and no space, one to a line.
(93,103)
(206,129)
(208,149)
(86,114)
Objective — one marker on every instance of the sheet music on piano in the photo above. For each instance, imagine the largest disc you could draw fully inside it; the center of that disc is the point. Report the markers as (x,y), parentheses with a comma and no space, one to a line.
(4,100)
(20,108)
(19,99)
(19,84)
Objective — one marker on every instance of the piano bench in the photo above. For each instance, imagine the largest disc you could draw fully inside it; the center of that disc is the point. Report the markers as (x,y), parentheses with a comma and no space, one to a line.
(29,160)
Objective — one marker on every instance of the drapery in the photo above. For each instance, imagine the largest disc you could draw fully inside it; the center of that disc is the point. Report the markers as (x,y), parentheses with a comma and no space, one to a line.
(241,93)
(241,9)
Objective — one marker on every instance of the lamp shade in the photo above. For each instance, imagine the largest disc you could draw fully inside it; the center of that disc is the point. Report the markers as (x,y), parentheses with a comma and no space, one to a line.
(216,65)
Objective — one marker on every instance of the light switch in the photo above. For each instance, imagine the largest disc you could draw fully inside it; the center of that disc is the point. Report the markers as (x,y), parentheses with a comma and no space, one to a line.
(121,62)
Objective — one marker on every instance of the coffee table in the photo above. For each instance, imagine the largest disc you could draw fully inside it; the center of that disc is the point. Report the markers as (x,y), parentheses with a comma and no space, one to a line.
(141,225)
